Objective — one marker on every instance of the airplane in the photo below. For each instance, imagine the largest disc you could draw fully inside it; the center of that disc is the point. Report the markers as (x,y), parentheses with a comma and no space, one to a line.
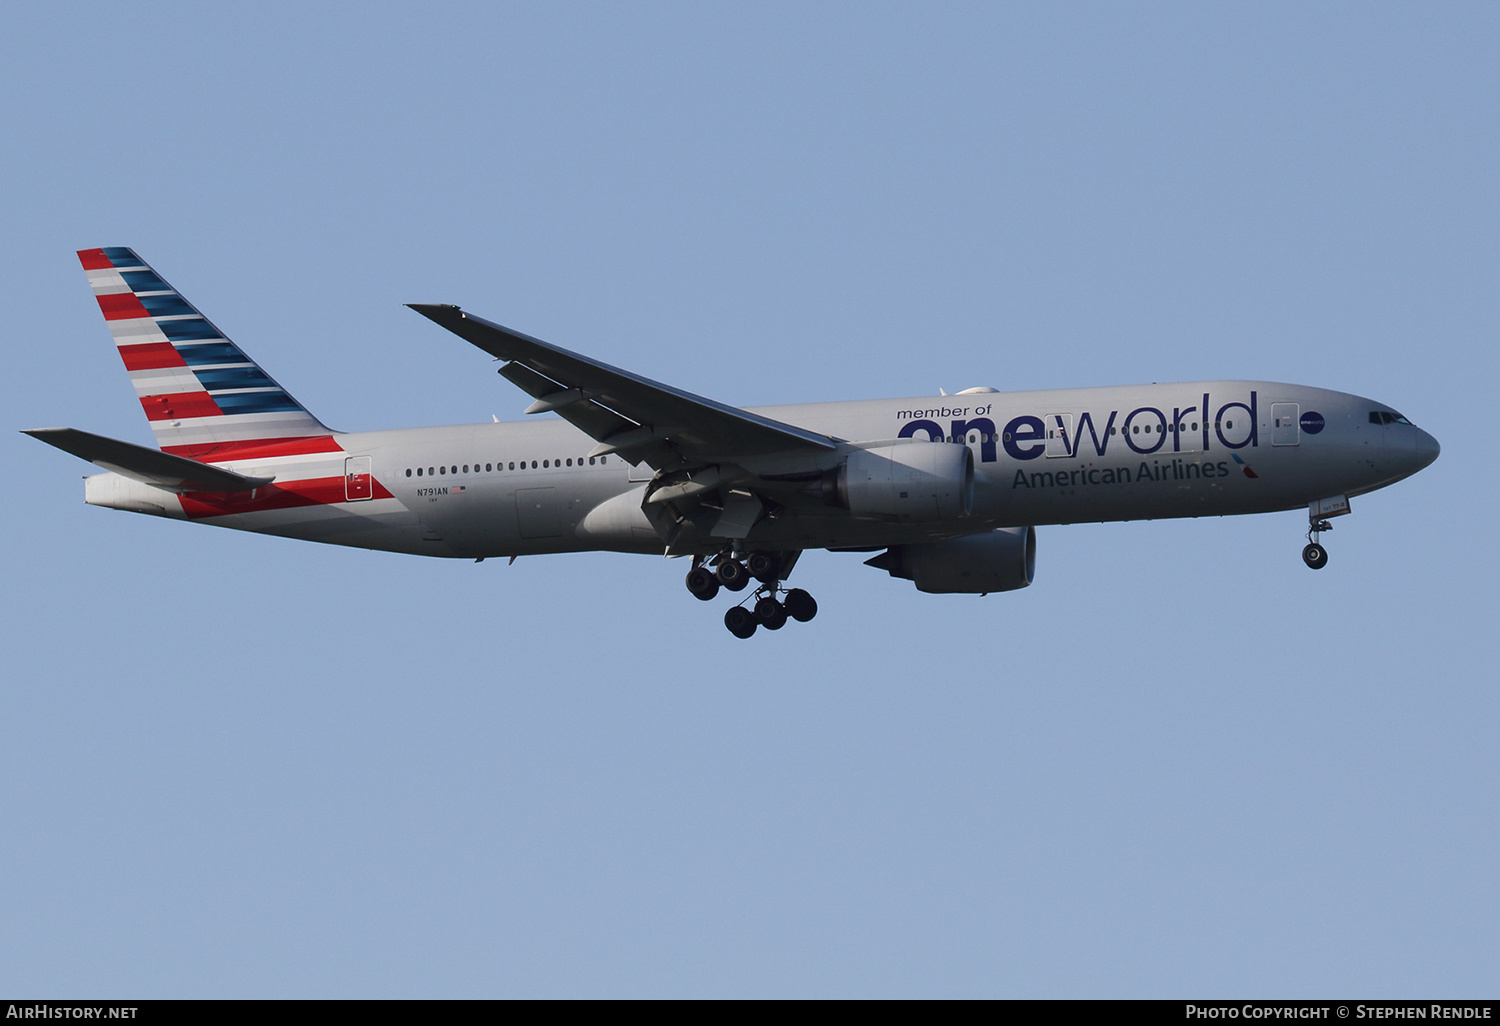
(946,490)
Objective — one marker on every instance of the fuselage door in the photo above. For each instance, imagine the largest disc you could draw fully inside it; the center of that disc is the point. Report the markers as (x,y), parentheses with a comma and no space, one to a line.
(1059,434)
(357,478)
(1285,429)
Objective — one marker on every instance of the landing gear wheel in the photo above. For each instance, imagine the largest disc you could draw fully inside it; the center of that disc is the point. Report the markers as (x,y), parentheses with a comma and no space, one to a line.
(702,583)
(770,613)
(800,606)
(1315,556)
(732,575)
(740,621)
(764,567)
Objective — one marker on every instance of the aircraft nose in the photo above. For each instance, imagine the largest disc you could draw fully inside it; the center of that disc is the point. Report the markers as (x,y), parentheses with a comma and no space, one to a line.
(1425,448)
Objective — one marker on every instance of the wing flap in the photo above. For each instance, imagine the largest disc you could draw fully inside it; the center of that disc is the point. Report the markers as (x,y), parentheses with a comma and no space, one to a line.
(151,466)
(584,414)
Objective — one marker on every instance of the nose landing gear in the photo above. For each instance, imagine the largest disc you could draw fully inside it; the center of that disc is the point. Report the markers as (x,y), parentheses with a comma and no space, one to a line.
(1314,554)
(1318,513)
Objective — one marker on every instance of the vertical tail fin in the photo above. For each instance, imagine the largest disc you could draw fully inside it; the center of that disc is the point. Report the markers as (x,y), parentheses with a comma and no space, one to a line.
(203,396)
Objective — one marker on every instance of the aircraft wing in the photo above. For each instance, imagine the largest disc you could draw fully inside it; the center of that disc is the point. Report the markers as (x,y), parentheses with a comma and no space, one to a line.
(639,418)
(152,466)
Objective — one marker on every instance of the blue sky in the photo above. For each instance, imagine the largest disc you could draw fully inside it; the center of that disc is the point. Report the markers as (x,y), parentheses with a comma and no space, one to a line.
(1180,764)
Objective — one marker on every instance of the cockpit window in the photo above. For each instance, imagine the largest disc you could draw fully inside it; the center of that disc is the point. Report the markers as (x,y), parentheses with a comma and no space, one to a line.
(1387,417)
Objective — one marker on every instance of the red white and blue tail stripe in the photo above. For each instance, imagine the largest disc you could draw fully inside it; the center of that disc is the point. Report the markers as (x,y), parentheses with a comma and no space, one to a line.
(203,396)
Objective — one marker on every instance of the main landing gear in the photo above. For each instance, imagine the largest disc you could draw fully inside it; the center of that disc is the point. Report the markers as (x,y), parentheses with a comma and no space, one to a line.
(766,610)
(770,612)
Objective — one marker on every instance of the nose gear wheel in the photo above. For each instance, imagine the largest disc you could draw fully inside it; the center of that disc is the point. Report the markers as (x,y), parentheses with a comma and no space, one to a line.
(1314,554)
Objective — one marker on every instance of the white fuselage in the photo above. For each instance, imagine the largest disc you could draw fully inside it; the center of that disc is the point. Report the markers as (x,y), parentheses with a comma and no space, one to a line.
(1049,457)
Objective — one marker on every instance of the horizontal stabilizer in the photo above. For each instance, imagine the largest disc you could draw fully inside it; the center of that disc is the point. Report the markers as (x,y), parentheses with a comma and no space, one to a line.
(174,473)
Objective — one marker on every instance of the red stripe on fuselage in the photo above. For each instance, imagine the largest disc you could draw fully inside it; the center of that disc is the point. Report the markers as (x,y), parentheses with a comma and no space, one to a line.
(151,355)
(254,448)
(93,259)
(180,406)
(315,491)
(122,306)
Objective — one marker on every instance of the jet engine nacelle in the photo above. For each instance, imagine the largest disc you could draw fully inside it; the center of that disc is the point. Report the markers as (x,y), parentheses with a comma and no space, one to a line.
(916,481)
(999,560)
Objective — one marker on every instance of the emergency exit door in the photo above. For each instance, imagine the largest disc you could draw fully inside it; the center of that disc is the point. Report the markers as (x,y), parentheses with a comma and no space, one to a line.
(357,478)
(1284,427)
(1059,434)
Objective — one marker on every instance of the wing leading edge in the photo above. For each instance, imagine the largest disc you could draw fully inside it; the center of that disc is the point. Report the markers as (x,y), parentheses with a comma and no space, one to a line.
(626,413)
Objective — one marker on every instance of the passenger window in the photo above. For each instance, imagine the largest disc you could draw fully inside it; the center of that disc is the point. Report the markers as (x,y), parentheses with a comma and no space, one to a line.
(466,468)
(486,468)
(419,471)
(533,464)
(442,470)
(408,472)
